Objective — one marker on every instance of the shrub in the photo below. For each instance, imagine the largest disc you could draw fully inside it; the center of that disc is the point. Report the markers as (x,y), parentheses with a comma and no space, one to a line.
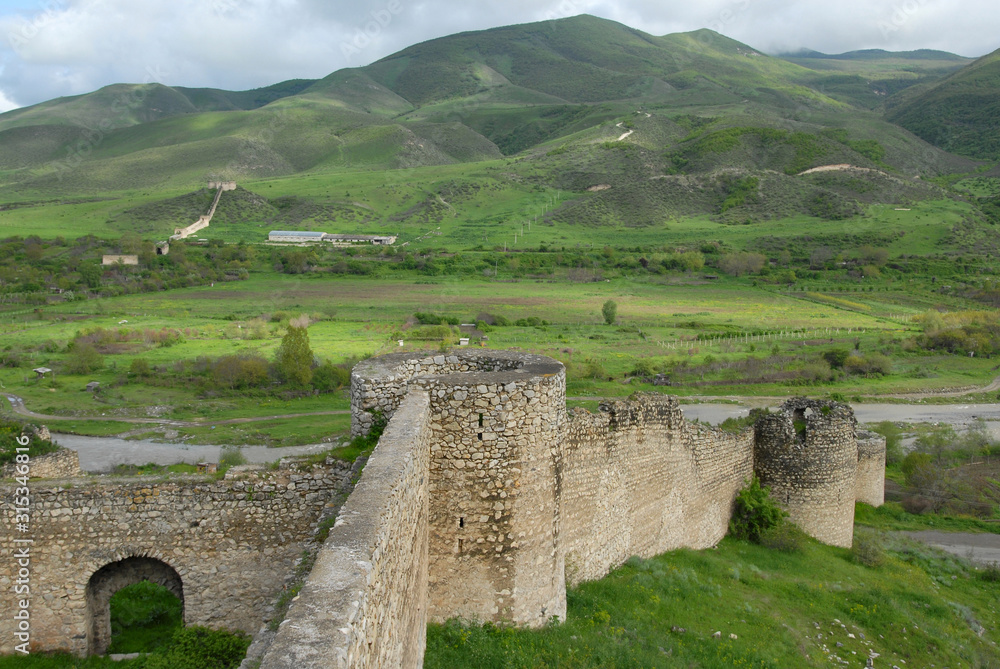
(990,573)
(294,357)
(231,456)
(241,370)
(10,431)
(329,377)
(754,512)
(786,537)
(610,312)
(83,359)
(867,548)
(140,367)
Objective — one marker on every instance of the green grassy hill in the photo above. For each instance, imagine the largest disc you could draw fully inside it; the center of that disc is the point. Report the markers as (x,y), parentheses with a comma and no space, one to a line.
(636,128)
(960,114)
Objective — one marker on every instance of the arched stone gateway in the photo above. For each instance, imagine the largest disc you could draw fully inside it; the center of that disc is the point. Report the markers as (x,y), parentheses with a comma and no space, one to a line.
(111,578)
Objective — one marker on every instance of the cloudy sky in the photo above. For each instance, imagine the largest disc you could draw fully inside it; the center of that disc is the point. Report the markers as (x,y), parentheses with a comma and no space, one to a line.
(50,48)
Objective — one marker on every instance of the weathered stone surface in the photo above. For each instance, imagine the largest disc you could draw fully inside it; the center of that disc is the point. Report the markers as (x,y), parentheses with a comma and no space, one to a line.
(365,601)
(231,544)
(63,463)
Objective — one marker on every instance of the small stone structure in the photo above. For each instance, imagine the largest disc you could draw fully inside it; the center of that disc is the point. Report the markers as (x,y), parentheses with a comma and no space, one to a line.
(522,497)
(120,260)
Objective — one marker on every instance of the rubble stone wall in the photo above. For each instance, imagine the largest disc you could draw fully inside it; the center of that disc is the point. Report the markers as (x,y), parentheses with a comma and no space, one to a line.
(870,479)
(365,602)
(807,453)
(636,479)
(64,463)
(233,543)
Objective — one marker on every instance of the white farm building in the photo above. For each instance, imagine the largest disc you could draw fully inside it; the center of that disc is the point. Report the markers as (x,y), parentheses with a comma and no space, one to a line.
(302,237)
(294,237)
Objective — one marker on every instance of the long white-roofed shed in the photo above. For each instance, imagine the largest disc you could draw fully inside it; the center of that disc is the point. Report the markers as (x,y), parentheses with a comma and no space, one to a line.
(294,236)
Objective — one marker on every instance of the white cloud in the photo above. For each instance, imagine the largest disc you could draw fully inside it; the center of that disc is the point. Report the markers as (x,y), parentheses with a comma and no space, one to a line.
(6,104)
(66,47)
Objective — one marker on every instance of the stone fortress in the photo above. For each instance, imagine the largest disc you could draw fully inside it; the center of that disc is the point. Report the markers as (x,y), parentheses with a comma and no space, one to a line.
(484,499)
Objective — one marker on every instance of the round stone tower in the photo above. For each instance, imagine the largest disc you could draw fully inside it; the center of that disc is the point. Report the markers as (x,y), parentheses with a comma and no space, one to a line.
(807,453)
(496,418)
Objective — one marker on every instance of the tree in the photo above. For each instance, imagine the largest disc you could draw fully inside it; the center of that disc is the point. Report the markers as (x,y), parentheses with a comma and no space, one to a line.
(83,359)
(294,357)
(610,311)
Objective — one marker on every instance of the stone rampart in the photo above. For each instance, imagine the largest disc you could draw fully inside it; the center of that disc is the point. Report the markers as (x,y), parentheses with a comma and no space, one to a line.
(230,546)
(494,509)
(365,602)
(870,480)
(64,463)
(636,479)
(807,453)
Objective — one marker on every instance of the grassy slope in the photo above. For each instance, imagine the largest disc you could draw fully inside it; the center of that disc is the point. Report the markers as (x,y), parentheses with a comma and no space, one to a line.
(457,99)
(773,609)
(961,113)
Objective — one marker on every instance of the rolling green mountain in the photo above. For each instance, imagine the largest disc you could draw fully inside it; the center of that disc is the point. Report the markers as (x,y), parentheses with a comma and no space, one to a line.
(960,114)
(641,127)
(871,77)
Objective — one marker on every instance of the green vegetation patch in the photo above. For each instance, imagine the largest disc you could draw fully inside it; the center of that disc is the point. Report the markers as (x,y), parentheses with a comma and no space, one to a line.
(769,608)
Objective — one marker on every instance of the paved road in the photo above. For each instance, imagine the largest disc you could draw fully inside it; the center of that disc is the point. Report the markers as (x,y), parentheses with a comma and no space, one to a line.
(981,548)
(959,415)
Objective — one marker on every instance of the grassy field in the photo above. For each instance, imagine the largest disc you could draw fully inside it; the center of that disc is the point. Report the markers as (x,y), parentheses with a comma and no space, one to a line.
(719,337)
(806,608)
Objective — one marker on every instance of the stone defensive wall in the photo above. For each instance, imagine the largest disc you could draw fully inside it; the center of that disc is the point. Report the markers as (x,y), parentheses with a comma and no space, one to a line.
(365,601)
(522,497)
(870,481)
(808,454)
(64,463)
(637,479)
(226,548)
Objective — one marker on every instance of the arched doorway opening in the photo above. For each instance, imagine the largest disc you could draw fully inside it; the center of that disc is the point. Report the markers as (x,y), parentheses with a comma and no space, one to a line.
(111,578)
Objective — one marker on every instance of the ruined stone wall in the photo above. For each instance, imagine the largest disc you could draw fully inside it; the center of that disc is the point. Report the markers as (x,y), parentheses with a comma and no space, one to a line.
(232,542)
(636,479)
(365,602)
(494,510)
(870,478)
(808,454)
(63,463)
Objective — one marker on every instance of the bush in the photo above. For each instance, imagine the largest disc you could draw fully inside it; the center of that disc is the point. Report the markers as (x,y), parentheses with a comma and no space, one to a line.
(140,367)
(200,648)
(242,370)
(610,312)
(83,359)
(867,547)
(231,456)
(754,512)
(10,431)
(786,537)
(329,377)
